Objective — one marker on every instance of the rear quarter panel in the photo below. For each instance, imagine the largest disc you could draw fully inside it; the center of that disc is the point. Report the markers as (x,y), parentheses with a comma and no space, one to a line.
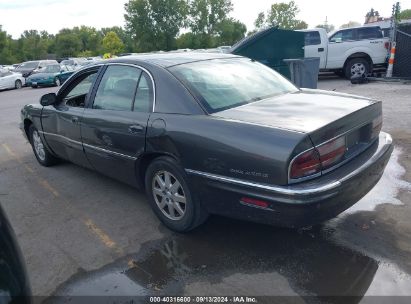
(228,148)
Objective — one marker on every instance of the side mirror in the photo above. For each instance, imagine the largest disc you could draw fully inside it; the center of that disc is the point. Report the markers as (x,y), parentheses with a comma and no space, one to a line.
(48,99)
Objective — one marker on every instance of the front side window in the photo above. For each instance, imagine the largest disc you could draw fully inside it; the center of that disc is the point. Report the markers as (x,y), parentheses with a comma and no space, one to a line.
(221,84)
(76,95)
(117,88)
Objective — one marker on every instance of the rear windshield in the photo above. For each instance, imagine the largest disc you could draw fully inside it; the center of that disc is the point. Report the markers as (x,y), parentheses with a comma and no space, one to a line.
(226,83)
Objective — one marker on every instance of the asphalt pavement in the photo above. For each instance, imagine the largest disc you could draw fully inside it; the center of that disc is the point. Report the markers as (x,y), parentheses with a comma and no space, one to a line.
(85,234)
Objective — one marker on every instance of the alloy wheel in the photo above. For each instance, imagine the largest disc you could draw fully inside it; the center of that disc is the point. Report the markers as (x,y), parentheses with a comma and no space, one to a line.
(38,146)
(169,195)
(358,69)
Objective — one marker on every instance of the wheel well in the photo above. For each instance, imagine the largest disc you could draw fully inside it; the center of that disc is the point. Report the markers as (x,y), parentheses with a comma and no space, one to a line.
(359,55)
(27,124)
(143,164)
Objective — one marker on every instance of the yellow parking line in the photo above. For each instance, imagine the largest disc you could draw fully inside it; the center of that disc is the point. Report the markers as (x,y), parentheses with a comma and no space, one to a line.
(97,231)
(48,187)
(101,235)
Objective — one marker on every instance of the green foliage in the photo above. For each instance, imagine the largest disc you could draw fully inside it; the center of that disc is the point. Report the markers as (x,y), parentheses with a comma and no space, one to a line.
(207,15)
(282,15)
(67,43)
(154,24)
(112,43)
(404,14)
(230,31)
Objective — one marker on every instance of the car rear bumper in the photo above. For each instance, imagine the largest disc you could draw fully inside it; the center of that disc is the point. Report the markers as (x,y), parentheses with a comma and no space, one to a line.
(39,82)
(301,204)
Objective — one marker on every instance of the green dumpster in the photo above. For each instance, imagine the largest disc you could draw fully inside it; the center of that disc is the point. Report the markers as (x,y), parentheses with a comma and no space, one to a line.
(271,46)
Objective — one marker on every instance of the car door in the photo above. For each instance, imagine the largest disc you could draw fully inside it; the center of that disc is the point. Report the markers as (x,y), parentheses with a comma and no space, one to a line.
(114,124)
(313,47)
(2,81)
(61,122)
(339,44)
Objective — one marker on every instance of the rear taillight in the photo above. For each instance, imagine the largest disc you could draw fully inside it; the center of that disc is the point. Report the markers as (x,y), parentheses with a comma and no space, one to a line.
(320,158)
(332,152)
(376,127)
(308,163)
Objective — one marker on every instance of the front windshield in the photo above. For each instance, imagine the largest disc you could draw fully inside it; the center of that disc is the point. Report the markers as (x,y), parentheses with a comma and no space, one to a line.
(51,69)
(29,65)
(221,84)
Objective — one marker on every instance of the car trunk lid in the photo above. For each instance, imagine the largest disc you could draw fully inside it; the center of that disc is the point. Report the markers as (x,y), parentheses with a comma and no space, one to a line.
(321,114)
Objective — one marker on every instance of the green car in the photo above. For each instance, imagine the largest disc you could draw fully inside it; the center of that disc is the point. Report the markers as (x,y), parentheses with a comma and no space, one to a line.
(49,76)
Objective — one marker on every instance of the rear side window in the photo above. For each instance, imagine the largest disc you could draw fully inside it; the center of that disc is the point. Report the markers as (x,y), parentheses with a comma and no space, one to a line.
(144,94)
(117,88)
(341,36)
(312,38)
(369,33)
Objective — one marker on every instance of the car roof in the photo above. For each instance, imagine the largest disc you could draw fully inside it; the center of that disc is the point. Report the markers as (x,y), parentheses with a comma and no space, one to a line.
(169,59)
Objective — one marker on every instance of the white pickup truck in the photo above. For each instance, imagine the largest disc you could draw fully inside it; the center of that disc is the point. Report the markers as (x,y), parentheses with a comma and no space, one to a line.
(348,52)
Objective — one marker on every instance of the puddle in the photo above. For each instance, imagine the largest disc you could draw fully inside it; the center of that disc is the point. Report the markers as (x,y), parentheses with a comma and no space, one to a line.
(389,280)
(246,259)
(387,189)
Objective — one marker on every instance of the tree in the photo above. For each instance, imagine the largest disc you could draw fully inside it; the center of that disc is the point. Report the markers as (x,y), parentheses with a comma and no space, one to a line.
(90,40)
(67,43)
(112,44)
(282,15)
(206,15)
(405,14)
(155,23)
(35,45)
(230,31)
(6,53)
(125,36)
(328,27)
(260,21)
(350,24)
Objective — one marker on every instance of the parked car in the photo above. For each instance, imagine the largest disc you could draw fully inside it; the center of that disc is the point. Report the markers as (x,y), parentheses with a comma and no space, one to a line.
(348,52)
(214,133)
(30,67)
(50,75)
(14,283)
(11,80)
(72,62)
(8,67)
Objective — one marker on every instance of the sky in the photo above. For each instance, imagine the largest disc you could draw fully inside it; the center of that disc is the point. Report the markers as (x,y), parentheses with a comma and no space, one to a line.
(53,15)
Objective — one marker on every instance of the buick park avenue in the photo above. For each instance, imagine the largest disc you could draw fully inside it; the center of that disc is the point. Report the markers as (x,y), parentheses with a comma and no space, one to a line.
(214,134)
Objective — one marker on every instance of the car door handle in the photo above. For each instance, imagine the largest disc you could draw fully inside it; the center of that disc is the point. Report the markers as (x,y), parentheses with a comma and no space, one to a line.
(135,129)
(74,119)
(320,50)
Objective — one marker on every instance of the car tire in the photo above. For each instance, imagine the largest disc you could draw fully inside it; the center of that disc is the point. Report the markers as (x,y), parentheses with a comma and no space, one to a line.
(43,155)
(34,87)
(57,82)
(18,84)
(357,67)
(167,194)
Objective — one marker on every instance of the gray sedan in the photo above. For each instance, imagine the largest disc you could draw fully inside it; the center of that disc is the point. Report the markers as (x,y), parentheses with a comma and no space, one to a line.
(212,133)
